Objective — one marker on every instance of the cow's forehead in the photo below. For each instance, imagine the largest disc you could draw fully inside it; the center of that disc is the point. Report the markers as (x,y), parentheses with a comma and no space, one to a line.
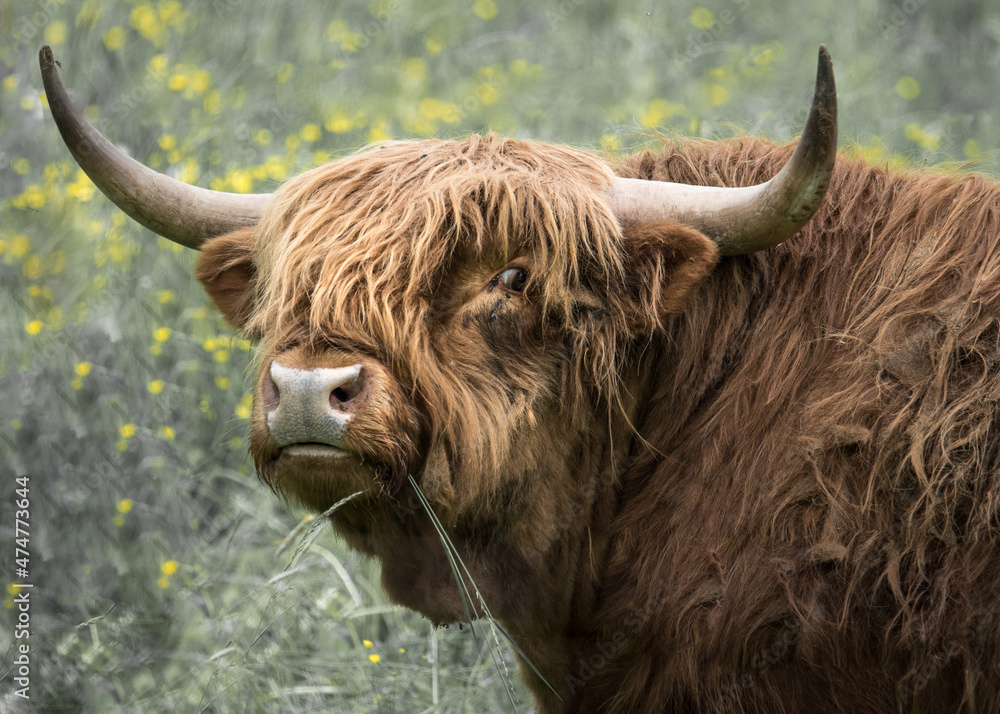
(461,191)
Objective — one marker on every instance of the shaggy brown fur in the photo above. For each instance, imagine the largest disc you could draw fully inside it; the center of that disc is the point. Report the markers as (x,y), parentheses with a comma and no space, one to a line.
(770,486)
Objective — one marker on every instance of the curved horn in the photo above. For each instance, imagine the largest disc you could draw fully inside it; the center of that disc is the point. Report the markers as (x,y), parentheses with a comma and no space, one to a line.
(747,219)
(185,214)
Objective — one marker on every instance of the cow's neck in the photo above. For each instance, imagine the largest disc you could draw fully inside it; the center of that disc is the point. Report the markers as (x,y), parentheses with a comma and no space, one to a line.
(540,575)
(553,561)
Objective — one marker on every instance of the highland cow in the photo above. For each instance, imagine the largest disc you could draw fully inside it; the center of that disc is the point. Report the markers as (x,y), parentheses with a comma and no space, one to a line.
(705,441)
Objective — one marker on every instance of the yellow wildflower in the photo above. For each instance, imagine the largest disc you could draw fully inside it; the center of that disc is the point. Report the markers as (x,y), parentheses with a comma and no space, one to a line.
(245,407)
(161,334)
(201,80)
(374,658)
(485,9)
(926,139)
(20,245)
(155,387)
(55,34)
(487,94)
(337,31)
(435,109)
(171,12)
(658,111)
(159,63)
(717,95)
(144,19)
(523,68)
(178,82)
(57,261)
(702,18)
(55,317)
(213,102)
(32,267)
(262,137)
(124,505)
(127,431)
(166,432)
(82,188)
(114,38)
(908,88)
(82,369)
(189,170)
(339,123)
(415,69)
(311,132)
(433,46)
(609,142)
(242,181)
(168,567)
(34,327)
(163,582)
(368,643)
(34,196)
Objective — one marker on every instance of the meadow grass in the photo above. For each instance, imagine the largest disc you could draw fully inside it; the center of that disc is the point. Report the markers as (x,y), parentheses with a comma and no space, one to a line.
(167,578)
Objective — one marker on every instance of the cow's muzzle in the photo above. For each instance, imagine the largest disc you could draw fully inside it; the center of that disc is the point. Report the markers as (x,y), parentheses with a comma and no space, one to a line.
(308,410)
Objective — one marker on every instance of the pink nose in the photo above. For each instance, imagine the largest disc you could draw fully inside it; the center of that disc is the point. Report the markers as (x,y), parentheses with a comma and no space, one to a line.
(311,405)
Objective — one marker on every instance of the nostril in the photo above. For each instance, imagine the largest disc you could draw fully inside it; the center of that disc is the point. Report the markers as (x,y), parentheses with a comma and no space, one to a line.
(344,394)
(339,395)
(271,393)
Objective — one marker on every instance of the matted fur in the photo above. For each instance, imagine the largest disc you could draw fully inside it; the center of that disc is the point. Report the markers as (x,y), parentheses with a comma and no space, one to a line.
(819,530)
(767,487)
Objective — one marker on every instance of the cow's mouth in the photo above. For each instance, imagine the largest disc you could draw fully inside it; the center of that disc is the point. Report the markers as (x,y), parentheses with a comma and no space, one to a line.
(318,475)
(312,449)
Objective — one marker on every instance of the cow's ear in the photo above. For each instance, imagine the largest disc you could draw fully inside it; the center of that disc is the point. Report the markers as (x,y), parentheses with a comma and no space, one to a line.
(664,261)
(227,271)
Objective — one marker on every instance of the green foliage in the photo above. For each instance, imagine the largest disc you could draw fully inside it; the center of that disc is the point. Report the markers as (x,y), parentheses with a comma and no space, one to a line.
(153,546)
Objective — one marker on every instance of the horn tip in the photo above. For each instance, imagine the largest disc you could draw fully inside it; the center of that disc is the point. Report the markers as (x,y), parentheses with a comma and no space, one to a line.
(45,58)
(824,67)
(823,114)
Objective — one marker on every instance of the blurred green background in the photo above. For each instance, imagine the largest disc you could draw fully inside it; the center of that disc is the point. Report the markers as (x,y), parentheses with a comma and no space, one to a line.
(164,576)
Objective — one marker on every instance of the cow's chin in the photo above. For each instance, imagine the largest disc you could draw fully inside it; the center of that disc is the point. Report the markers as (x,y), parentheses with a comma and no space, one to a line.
(320,475)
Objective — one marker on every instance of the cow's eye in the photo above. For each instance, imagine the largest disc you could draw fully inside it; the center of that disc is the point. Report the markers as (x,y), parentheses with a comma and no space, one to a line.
(513,279)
